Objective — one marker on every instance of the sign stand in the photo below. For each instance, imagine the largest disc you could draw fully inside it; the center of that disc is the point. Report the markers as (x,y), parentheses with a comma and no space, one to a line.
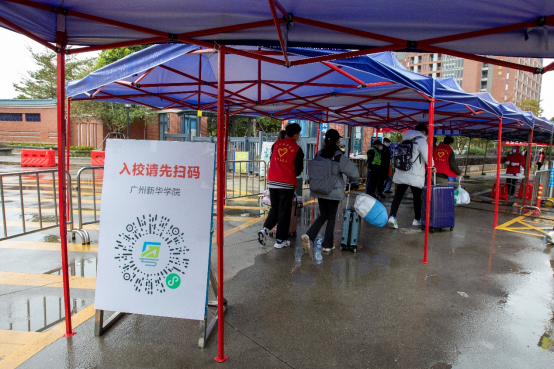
(206,329)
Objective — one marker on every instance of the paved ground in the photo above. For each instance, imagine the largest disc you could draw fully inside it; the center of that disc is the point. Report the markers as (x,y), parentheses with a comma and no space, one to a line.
(484,300)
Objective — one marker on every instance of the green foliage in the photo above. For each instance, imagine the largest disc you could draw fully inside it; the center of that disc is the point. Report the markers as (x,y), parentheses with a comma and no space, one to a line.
(476,151)
(109,56)
(531,105)
(41,84)
(113,115)
(264,124)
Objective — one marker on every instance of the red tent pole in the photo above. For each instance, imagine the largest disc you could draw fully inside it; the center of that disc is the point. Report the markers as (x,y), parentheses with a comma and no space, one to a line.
(317,139)
(62,186)
(528,166)
(498,159)
(221,179)
(429,176)
(68,129)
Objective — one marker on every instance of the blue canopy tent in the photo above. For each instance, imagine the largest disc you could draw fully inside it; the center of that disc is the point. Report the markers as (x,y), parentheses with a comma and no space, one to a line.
(467,29)
(374,90)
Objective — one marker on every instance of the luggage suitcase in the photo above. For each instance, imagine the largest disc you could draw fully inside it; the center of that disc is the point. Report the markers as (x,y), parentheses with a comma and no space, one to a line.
(350,227)
(293,220)
(442,207)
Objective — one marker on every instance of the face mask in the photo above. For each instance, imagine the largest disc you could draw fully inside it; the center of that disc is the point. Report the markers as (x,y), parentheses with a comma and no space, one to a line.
(514,150)
(387,144)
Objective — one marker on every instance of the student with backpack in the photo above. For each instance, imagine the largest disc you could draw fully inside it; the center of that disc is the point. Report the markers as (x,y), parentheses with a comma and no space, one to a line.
(410,159)
(327,184)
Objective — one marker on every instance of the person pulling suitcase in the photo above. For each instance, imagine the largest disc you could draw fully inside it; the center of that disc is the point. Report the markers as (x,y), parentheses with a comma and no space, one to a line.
(327,184)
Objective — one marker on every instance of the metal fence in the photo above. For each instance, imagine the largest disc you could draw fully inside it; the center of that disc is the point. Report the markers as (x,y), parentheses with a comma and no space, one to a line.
(247,178)
(542,177)
(95,196)
(36,183)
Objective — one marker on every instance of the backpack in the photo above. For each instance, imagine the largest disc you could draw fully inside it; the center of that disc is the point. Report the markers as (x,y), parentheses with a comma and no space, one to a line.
(320,173)
(403,155)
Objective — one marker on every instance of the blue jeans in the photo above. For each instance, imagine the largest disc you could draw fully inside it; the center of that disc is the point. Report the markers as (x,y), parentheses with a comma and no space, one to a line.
(388,184)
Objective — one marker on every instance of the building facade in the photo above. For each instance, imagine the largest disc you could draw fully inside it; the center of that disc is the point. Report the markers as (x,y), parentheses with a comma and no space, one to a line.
(504,84)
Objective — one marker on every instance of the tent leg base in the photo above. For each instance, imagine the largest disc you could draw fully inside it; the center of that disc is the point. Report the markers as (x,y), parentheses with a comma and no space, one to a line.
(99,327)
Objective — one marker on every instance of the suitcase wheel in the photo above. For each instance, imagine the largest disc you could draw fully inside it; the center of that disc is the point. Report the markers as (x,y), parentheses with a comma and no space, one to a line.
(354,250)
(432,229)
(451,228)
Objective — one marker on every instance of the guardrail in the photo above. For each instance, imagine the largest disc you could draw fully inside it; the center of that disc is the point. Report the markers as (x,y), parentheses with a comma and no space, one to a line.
(541,177)
(78,188)
(39,219)
(250,175)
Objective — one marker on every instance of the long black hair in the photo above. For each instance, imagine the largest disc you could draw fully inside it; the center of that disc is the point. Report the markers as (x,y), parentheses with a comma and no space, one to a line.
(329,149)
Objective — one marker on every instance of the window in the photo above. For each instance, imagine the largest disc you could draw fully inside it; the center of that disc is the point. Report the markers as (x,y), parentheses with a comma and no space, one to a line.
(483,85)
(32,117)
(484,74)
(11,117)
(485,65)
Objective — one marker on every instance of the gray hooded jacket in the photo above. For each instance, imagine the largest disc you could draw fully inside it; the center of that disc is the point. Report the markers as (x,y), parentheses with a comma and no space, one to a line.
(341,165)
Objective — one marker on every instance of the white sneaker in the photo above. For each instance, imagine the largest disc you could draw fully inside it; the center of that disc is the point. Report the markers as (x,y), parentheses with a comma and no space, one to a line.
(262,236)
(416,222)
(306,242)
(392,222)
(280,244)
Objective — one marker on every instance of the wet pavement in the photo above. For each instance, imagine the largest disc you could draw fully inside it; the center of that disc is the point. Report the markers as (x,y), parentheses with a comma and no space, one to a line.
(484,300)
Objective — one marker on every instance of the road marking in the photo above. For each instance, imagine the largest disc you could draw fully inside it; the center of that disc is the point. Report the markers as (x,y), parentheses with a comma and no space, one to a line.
(27,351)
(45,280)
(523,225)
(17,337)
(46,246)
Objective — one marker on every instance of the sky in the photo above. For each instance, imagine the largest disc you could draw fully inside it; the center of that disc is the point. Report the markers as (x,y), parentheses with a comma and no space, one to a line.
(15,64)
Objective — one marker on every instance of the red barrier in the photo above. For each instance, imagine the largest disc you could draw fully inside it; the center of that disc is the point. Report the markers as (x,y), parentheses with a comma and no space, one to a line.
(503,192)
(529,192)
(38,158)
(97,158)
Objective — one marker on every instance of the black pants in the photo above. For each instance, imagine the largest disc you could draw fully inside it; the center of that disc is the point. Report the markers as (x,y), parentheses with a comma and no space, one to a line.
(539,165)
(512,183)
(327,213)
(281,207)
(399,194)
(375,183)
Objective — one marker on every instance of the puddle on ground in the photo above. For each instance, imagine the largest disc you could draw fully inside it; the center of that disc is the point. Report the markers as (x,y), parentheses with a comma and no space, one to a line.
(37,314)
(51,238)
(79,267)
(36,218)
(409,230)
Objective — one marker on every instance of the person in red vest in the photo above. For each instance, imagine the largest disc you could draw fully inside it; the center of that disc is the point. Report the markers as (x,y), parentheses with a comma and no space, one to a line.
(514,165)
(541,159)
(445,161)
(285,164)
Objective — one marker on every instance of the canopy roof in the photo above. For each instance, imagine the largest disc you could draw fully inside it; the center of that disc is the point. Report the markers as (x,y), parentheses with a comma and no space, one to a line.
(461,28)
(374,90)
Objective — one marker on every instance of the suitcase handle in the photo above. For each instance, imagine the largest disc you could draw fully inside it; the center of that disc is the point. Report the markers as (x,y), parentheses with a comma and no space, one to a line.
(349,185)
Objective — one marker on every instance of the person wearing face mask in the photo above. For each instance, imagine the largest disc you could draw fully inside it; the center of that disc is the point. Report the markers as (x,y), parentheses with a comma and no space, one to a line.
(414,177)
(286,163)
(374,161)
(514,165)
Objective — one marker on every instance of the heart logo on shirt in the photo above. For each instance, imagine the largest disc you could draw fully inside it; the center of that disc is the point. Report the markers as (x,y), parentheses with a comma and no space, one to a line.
(282,151)
(440,154)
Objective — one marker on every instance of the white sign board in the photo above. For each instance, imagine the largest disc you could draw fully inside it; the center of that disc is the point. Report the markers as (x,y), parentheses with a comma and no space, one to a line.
(155,235)
(266,156)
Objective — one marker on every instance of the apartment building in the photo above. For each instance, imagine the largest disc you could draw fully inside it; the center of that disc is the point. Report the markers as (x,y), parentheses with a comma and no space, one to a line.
(504,84)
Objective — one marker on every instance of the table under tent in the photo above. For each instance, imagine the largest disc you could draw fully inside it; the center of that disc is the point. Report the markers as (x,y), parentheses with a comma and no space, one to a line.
(484,29)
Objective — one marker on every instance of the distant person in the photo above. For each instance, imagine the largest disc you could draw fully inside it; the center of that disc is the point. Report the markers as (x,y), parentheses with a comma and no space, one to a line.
(286,163)
(414,177)
(385,172)
(374,161)
(445,161)
(329,203)
(514,165)
(281,135)
(541,159)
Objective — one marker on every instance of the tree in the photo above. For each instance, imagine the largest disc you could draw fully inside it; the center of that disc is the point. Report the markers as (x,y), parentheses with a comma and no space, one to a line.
(41,84)
(112,55)
(531,105)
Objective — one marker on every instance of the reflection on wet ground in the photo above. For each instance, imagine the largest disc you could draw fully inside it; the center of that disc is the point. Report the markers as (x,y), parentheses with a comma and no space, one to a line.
(79,267)
(37,314)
